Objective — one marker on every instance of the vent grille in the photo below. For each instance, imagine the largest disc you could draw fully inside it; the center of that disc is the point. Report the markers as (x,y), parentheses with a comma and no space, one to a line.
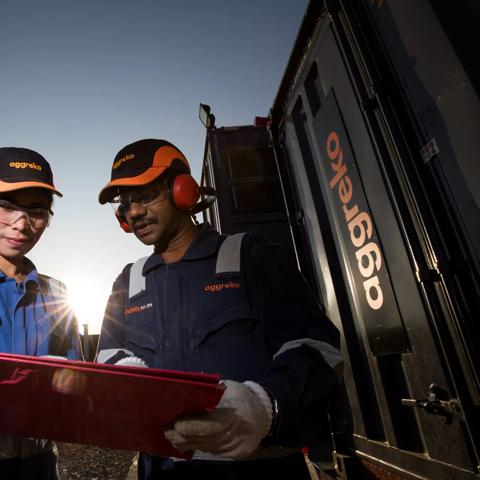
(257,197)
(251,162)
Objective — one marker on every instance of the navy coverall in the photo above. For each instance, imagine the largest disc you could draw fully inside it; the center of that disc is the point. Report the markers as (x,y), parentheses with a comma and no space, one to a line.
(35,319)
(263,325)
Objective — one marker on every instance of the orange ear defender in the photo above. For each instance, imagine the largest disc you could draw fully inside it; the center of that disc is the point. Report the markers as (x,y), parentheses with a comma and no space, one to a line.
(185,193)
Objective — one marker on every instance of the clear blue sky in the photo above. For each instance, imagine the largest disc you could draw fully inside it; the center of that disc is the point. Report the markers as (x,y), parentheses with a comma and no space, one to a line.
(81,79)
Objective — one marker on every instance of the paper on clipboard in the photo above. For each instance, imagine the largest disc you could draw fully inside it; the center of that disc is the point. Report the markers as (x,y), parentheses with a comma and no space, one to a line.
(108,406)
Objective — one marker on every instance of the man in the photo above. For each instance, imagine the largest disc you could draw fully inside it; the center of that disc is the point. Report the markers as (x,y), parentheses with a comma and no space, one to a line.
(260,328)
(35,316)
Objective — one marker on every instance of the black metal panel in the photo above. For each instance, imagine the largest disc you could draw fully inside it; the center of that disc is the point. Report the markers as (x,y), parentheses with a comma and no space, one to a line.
(364,400)
(301,241)
(357,236)
(436,106)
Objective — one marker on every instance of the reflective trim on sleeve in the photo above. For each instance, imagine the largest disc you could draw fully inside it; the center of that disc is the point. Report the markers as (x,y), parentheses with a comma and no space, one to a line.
(105,355)
(331,354)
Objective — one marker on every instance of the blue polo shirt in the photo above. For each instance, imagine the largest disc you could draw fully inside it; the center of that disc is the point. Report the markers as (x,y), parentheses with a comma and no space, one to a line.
(28,326)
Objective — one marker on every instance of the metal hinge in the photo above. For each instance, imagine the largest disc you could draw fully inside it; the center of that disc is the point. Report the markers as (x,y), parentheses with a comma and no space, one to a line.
(428,275)
(442,268)
(370,104)
(438,402)
(297,218)
(429,150)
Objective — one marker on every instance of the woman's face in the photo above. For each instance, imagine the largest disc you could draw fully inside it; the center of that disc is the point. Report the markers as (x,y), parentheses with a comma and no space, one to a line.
(19,237)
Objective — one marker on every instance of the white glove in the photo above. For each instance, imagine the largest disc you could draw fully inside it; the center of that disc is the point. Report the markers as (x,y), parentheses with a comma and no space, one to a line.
(234,429)
(131,362)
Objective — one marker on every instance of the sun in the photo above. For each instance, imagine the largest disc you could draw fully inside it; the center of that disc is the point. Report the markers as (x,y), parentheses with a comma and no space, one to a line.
(88,301)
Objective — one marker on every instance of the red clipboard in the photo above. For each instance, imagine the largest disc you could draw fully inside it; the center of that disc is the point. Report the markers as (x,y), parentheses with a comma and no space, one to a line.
(96,404)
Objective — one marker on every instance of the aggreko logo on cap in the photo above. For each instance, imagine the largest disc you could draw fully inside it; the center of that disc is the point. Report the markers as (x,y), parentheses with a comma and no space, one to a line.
(33,165)
(122,160)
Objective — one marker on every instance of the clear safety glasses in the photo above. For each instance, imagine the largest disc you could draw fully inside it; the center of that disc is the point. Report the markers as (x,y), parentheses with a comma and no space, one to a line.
(11,213)
(157,192)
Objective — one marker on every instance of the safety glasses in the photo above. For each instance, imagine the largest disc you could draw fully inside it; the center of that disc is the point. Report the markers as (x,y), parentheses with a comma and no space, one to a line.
(156,192)
(11,213)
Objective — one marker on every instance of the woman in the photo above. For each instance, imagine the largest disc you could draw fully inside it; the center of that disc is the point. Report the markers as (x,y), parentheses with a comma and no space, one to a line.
(34,315)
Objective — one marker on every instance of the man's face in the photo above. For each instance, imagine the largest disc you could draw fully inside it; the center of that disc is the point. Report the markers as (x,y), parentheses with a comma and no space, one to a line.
(150,213)
(19,236)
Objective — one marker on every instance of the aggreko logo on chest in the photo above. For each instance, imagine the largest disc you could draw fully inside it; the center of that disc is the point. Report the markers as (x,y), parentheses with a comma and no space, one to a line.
(139,308)
(218,287)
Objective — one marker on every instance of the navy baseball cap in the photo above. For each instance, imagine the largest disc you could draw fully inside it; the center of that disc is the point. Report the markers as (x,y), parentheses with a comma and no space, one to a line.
(140,163)
(24,168)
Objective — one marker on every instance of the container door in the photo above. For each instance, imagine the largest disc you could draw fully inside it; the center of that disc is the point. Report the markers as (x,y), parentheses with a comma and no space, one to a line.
(402,370)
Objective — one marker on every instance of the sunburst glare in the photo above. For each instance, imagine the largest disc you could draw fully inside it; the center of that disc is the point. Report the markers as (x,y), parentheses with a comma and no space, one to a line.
(88,302)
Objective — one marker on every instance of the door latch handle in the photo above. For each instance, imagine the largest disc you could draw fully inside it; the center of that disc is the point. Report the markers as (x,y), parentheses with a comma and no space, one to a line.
(438,402)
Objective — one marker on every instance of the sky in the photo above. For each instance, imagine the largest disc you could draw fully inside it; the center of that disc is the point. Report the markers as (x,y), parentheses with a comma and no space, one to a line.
(81,79)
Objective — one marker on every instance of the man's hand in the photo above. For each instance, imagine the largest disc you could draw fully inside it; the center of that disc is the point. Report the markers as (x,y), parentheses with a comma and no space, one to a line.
(234,429)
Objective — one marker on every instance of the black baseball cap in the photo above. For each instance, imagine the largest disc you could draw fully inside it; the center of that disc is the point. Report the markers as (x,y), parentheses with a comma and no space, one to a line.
(24,168)
(140,163)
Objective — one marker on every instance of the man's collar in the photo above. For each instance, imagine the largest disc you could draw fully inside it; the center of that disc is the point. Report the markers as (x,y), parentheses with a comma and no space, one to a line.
(203,245)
